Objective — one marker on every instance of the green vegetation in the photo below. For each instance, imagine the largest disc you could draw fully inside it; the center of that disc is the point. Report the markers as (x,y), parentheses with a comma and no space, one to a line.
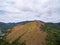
(53,30)
(4,42)
(53,37)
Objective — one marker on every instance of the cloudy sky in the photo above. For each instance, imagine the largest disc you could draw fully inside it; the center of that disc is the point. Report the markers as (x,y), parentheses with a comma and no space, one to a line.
(25,10)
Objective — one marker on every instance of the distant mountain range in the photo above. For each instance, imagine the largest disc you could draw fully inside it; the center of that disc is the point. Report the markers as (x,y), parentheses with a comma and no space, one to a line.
(4,26)
(10,25)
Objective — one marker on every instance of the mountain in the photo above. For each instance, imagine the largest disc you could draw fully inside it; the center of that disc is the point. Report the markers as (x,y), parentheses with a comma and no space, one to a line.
(5,26)
(20,23)
(29,33)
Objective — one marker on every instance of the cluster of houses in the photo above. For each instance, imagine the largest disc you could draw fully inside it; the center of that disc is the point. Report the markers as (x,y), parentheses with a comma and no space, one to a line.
(1,34)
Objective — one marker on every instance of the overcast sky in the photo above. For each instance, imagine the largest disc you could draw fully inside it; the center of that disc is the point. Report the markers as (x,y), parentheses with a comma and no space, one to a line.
(25,10)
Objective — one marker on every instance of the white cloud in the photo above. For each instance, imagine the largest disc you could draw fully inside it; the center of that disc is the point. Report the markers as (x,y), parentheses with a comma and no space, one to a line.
(20,10)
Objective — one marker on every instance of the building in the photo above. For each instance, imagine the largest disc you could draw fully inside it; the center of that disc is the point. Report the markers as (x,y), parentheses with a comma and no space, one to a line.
(1,35)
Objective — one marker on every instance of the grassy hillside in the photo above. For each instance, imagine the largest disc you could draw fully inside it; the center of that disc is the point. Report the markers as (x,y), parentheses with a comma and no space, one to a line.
(33,33)
(53,30)
(30,34)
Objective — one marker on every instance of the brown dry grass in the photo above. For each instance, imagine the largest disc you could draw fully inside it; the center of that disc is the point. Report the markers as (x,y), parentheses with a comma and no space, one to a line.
(33,35)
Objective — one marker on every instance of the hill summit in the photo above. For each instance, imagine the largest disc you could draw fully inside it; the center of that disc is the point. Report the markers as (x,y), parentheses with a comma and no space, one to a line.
(29,33)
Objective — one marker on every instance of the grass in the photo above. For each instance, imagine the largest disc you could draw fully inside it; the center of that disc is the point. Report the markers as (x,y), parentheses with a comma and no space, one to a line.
(4,42)
(53,37)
